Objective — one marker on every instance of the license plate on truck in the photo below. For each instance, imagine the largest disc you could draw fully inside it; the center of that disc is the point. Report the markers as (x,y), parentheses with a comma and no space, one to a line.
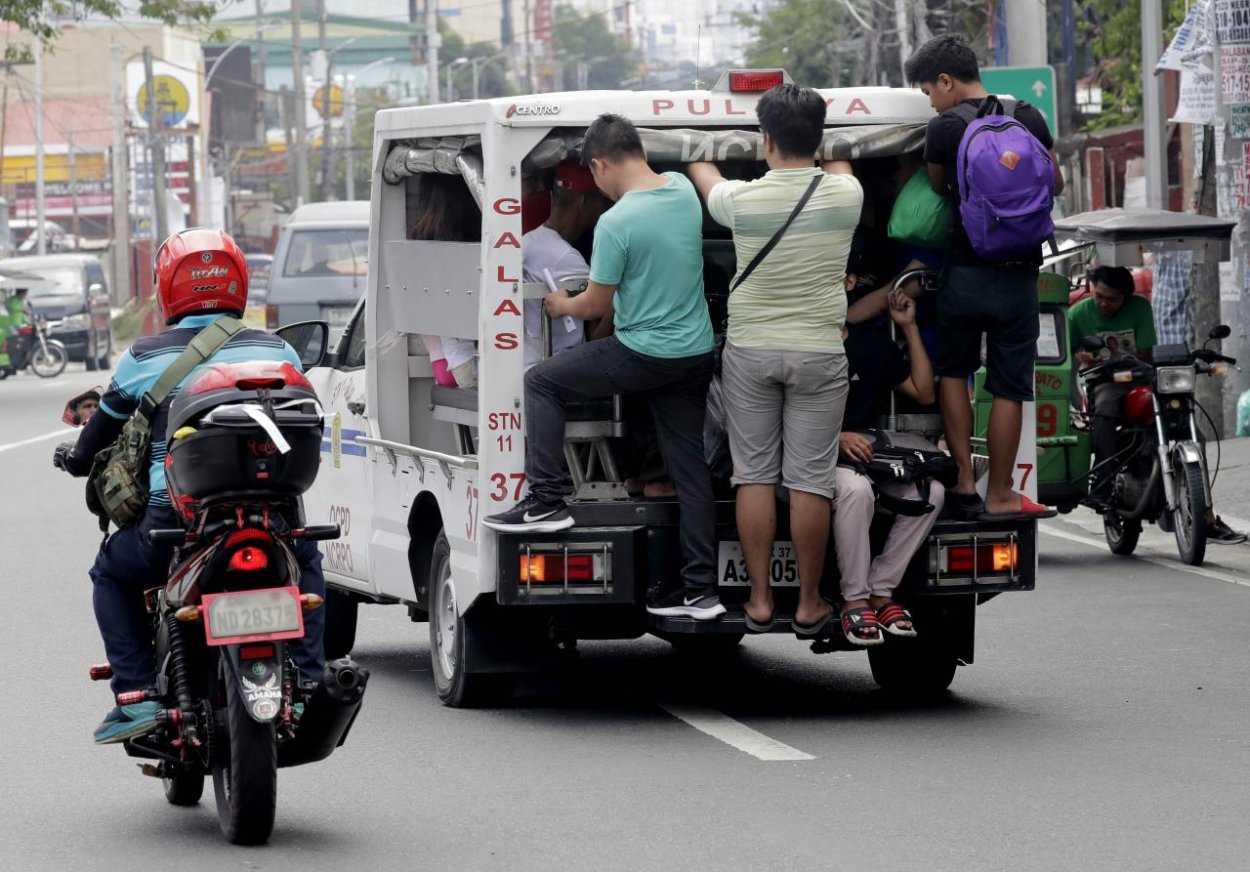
(252,616)
(783,568)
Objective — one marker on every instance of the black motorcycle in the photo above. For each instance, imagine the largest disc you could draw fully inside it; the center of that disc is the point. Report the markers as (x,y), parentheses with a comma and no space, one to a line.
(1158,474)
(244,443)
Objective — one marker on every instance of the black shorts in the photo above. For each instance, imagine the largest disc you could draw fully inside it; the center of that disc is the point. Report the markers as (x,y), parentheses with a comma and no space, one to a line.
(999,304)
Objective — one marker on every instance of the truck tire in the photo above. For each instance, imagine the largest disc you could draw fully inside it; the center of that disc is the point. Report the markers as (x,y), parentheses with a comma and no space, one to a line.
(913,667)
(341,617)
(456,687)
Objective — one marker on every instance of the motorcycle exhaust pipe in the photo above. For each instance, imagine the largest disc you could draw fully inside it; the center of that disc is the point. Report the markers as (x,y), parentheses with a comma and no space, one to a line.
(328,714)
(1143,503)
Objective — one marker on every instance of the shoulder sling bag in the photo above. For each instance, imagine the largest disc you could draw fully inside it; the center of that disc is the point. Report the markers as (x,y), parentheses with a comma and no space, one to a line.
(781,231)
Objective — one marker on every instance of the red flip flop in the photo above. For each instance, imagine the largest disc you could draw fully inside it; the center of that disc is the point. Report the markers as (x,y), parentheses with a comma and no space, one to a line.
(1029,510)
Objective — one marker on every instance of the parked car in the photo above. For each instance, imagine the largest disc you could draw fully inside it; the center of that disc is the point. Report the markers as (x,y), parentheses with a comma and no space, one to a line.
(259,267)
(71,293)
(320,265)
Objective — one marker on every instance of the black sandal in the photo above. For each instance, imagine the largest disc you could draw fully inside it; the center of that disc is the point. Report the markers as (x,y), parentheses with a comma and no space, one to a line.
(964,507)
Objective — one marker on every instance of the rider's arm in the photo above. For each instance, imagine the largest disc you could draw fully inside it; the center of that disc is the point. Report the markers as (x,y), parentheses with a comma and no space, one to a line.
(705,176)
(837,167)
(594,302)
(1058,173)
(919,384)
(877,302)
(99,433)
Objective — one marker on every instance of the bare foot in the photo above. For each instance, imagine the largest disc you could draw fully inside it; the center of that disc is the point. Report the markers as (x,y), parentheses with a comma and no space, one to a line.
(761,613)
(1013,503)
(809,616)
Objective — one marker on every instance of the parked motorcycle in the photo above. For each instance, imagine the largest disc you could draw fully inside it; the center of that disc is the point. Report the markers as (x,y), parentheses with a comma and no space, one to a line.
(1159,473)
(29,345)
(244,443)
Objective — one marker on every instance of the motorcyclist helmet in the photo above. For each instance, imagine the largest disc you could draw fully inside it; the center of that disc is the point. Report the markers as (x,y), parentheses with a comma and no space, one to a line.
(200,271)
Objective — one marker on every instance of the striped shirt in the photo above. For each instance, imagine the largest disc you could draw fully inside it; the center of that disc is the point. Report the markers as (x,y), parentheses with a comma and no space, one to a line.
(141,366)
(796,298)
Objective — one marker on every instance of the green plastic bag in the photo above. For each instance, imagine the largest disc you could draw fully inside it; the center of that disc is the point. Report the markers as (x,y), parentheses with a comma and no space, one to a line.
(1243,414)
(920,216)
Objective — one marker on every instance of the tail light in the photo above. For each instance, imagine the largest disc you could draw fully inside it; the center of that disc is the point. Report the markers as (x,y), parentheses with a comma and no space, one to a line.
(249,559)
(554,568)
(754,81)
(271,317)
(557,568)
(976,559)
(1139,405)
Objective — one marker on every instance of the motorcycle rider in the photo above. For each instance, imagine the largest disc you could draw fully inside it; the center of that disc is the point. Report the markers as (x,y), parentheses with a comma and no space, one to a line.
(17,314)
(1125,322)
(200,275)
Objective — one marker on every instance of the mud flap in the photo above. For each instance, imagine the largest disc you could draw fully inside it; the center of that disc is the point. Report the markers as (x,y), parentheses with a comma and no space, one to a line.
(259,679)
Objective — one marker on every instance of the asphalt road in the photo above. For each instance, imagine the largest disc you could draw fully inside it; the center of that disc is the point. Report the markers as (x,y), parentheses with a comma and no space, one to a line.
(1103,726)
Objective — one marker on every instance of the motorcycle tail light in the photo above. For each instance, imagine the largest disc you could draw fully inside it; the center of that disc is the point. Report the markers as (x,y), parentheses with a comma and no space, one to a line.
(1175,379)
(249,559)
(1139,405)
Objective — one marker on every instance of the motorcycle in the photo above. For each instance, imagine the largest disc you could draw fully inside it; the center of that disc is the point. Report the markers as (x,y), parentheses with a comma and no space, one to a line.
(244,443)
(29,345)
(1158,475)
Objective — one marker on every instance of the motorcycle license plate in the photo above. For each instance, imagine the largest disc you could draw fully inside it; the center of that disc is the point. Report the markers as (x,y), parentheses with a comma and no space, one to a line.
(783,568)
(252,616)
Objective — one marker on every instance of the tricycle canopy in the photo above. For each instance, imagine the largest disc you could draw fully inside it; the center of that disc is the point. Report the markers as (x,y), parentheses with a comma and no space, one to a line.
(1121,235)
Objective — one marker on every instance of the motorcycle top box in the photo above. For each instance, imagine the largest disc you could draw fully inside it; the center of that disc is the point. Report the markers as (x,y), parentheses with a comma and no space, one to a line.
(243,427)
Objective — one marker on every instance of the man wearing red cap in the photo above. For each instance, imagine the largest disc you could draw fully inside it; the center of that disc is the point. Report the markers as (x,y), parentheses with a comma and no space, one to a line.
(576,205)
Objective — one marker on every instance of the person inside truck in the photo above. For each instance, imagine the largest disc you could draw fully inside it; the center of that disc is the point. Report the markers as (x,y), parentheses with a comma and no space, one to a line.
(1125,322)
(784,369)
(547,254)
(877,367)
(128,563)
(448,214)
(646,273)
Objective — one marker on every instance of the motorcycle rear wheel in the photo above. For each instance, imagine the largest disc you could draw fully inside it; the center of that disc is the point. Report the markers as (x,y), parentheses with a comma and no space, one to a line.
(183,787)
(49,361)
(1191,513)
(245,770)
(1121,535)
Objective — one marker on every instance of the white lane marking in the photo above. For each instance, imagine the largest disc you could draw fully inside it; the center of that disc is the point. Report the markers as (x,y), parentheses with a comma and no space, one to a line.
(1176,567)
(737,735)
(33,439)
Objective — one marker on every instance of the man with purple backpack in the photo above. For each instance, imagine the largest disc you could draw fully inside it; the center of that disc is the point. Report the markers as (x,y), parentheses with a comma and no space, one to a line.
(994,157)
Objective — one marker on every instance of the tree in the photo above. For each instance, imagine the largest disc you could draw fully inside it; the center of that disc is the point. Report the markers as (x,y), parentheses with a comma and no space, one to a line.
(492,66)
(592,56)
(802,37)
(1111,30)
(44,17)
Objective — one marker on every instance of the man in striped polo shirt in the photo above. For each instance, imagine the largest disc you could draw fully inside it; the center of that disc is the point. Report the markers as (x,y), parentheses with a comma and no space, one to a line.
(784,367)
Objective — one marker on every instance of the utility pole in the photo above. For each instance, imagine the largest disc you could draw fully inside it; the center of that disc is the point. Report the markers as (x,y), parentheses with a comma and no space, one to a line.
(349,132)
(526,28)
(41,241)
(904,34)
(301,123)
(262,130)
(285,113)
(121,284)
(73,187)
(433,42)
(1026,33)
(156,135)
(326,102)
(1153,115)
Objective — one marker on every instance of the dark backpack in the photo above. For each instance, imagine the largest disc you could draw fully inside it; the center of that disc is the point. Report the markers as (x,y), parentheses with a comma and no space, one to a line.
(902,457)
(1006,182)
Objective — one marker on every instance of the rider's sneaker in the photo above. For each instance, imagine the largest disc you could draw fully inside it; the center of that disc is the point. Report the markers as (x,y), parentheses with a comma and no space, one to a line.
(531,515)
(127,722)
(676,604)
(1223,534)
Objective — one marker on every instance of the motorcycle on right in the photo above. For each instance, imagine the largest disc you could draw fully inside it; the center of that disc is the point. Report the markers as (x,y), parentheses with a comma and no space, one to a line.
(1158,475)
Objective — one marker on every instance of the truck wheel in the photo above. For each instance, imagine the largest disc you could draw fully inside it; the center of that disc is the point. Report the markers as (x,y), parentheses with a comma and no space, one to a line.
(455,686)
(1121,535)
(912,667)
(340,634)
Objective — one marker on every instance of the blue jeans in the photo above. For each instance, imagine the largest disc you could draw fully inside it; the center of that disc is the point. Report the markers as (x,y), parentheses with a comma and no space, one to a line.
(129,564)
(676,390)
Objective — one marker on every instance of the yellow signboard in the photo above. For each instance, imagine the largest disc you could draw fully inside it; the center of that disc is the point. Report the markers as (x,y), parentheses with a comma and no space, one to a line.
(173,101)
(336,101)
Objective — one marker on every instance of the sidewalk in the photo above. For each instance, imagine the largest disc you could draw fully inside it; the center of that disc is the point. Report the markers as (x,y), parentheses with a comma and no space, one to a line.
(1232,483)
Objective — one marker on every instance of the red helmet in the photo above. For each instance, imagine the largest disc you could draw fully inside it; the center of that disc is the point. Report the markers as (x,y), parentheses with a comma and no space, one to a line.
(200,270)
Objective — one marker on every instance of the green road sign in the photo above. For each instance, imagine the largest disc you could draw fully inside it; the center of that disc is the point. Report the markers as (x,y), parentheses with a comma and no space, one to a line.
(1035,84)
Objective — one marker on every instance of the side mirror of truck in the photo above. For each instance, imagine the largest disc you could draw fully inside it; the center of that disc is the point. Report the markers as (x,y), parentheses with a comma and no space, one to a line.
(1093,344)
(309,339)
(1220,331)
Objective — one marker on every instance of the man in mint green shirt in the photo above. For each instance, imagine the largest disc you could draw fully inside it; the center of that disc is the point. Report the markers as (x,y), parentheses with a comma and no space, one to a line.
(646,277)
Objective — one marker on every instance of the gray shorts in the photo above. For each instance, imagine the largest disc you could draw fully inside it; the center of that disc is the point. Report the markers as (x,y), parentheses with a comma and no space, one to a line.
(784,411)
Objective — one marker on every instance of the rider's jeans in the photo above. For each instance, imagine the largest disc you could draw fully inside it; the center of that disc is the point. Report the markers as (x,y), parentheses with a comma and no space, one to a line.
(1108,410)
(129,564)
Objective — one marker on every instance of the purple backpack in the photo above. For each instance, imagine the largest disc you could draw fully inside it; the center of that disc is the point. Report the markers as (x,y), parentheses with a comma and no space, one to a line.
(1006,182)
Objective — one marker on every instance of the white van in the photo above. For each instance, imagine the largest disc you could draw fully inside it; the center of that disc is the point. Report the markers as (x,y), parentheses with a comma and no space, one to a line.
(319,267)
(409,468)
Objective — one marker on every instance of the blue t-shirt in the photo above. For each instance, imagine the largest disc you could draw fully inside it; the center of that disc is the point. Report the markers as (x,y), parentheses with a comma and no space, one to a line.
(650,246)
(142,365)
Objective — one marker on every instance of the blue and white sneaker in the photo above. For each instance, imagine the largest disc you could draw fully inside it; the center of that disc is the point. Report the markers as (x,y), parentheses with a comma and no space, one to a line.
(531,515)
(127,722)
